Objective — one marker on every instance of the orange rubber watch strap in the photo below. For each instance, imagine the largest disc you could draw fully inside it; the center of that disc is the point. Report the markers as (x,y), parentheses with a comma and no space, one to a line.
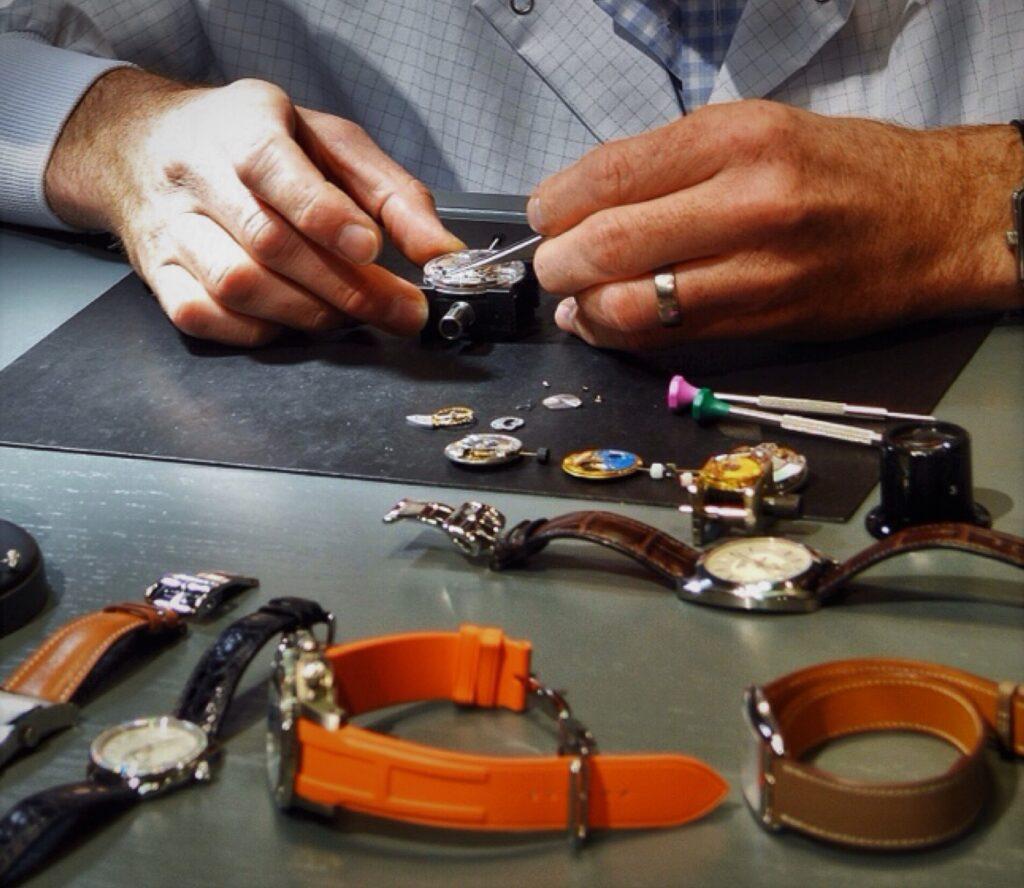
(384,776)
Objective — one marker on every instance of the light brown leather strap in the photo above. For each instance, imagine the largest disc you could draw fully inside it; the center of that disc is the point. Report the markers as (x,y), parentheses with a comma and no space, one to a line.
(87,647)
(962,537)
(651,547)
(830,700)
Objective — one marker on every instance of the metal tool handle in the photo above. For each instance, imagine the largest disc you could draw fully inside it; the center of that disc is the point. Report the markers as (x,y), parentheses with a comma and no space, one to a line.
(840,432)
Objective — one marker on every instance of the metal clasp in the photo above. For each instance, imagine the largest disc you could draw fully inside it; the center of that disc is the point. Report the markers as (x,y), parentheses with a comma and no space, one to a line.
(473,527)
(25,721)
(196,595)
(574,740)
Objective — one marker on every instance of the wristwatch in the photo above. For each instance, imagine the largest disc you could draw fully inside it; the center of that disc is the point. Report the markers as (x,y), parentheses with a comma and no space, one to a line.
(40,696)
(751,573)
(23,587)
(147,757)
(797,713)
(321,761)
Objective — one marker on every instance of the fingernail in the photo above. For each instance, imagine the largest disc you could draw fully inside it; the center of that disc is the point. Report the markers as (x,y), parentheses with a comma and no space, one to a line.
(533,214)
(565,313)
(357,244)
(407,314)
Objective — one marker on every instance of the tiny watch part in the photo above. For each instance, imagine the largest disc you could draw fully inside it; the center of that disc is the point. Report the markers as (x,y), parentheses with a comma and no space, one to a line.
(444,275)
(507,423)
(444,418)
(601,464)
(563,401)
(788,468)
(484,450)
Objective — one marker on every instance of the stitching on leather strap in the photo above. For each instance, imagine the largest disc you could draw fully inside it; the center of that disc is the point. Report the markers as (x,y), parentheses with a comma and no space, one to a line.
(919,789)
(45,649)
(71,684)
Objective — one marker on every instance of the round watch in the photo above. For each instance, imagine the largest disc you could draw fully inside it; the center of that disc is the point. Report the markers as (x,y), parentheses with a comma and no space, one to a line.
(147,757)
(484,449)
(445,275)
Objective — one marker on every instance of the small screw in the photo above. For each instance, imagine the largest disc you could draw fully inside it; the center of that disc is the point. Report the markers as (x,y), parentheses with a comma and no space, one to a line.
(545,383)
(12,558)
(598,399)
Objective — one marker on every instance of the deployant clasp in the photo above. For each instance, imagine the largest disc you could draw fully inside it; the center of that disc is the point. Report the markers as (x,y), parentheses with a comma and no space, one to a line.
(473,527)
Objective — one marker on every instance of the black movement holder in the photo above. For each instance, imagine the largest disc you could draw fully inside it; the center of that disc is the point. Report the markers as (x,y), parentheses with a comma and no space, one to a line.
(925,478)
(23,587)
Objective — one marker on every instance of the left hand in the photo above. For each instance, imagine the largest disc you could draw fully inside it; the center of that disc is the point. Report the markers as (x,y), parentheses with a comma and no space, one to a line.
(778,222)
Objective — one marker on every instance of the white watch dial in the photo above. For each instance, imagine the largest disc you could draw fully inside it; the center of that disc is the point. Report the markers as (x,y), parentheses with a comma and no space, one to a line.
(148,746)
(758,560)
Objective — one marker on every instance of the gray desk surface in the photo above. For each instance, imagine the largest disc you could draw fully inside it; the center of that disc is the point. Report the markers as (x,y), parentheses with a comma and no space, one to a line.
(645,671)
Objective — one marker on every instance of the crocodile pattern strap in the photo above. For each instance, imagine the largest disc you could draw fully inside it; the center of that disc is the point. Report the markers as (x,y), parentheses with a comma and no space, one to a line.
(36,825)
(962,537)
(665,555)
(212,684)
(82,653)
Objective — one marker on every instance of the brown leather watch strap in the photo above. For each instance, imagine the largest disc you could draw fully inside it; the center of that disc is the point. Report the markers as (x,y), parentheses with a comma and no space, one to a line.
(830,700)
(963,537)
(88,647)
(662,553)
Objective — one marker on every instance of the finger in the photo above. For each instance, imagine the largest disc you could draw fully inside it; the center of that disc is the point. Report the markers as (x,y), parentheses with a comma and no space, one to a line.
(239,283)
(627,171)
(279,171)
(194,312)
(722,297)
(381,186)
(393,304)
(627,241)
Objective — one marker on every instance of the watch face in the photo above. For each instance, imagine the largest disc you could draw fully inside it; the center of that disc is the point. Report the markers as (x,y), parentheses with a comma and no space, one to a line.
(442,273)
(758,560)
(602,464)
(148,746)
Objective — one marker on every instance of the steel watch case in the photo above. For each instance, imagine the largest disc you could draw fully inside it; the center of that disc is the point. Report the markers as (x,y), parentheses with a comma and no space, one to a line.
(765,745)
(197,768)
(796,594)
(302,686)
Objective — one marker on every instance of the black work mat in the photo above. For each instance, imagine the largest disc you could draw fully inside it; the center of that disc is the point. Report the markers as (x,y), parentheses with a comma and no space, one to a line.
(118,379)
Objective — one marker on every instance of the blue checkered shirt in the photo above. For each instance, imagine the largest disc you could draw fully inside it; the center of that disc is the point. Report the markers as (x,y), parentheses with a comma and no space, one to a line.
(689,37)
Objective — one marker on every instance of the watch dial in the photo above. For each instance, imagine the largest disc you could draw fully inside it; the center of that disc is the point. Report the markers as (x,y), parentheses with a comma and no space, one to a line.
(757,560)
(443,274)
(148,746)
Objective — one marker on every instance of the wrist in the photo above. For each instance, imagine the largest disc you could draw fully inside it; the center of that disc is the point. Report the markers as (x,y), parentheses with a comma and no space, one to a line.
(985,165)
(88,181)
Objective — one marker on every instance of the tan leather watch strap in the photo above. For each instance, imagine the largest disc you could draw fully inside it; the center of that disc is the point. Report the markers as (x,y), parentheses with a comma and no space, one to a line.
(963,537)
(651,547)
(87,647)
(830,700)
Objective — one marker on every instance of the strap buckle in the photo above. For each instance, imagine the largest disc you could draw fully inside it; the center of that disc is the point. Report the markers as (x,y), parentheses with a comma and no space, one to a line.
(196,595)
(26,721)
(473,527)
(575,740)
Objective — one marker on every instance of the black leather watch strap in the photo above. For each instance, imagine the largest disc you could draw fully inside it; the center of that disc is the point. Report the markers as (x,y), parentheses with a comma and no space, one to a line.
(212,684)
(664,554)
(36,825)
(961,537)
(23,588)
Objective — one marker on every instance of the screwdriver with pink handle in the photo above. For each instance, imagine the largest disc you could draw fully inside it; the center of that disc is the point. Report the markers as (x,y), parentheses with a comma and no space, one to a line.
(705,404)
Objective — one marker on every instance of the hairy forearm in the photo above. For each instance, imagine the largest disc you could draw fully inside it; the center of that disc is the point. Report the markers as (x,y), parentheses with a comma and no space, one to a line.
(86,178)
(983,166)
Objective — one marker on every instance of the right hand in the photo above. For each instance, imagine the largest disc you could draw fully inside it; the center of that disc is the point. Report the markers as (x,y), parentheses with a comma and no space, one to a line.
(243,212)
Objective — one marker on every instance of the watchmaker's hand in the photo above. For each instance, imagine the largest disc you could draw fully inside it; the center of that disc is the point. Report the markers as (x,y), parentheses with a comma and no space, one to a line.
(243,212)
(777,221)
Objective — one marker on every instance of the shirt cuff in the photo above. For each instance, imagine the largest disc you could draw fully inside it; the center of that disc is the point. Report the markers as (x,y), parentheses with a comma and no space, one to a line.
(40,85)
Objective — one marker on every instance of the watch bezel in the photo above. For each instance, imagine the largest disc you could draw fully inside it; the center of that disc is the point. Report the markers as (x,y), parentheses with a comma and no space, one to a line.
(794,595)
(148,783)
